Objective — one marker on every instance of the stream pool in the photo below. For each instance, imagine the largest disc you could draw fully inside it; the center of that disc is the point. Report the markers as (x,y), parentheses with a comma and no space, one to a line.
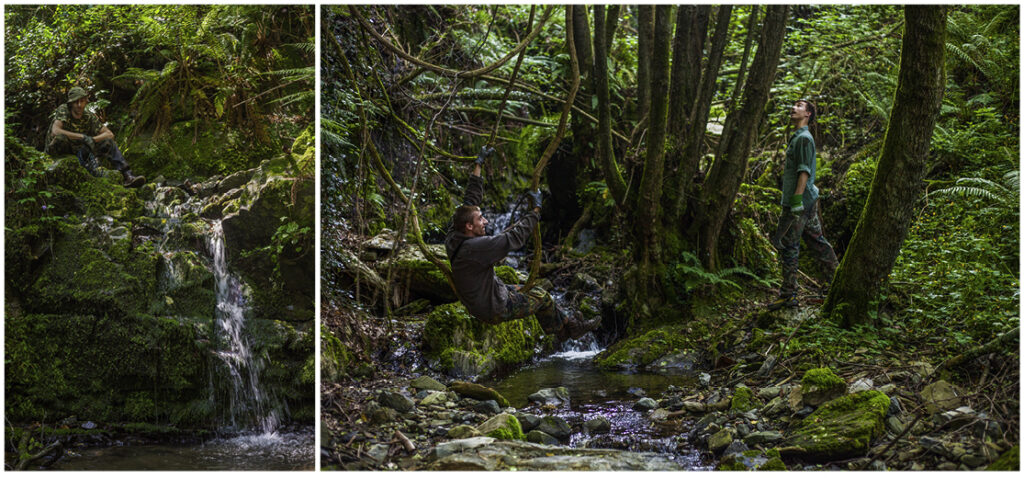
(594,392)
(269,451)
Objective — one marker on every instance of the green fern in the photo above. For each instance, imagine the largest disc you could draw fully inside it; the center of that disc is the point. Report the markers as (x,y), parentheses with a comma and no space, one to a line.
(1000,197)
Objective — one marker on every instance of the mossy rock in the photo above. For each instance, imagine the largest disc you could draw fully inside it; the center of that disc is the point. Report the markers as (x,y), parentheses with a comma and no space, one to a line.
(647,348)
(417,275)
(842,428)
(451,331)
(503,426)
(335,357)
(743,400)
(820,385)
(1008,461)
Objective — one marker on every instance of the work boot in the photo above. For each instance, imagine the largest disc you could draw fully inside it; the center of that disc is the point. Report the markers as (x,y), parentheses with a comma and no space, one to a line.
(787,301)
(575,326)
(131,180)
(88,161)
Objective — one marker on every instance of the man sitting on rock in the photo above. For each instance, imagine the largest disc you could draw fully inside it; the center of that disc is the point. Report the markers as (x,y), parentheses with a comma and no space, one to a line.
(77,131)
(473,255)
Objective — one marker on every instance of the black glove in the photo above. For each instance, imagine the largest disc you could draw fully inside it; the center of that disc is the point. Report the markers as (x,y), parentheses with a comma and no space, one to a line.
(484,153)
(535,197)
(89,142)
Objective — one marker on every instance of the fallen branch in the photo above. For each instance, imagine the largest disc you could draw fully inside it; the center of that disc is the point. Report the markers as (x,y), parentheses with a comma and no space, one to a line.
(992,346)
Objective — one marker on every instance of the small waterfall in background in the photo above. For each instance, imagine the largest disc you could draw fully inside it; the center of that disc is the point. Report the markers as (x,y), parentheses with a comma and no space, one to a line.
(249,407)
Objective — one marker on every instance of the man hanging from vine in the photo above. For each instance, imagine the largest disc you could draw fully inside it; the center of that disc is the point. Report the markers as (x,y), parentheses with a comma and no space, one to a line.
(77,131)
(473,255)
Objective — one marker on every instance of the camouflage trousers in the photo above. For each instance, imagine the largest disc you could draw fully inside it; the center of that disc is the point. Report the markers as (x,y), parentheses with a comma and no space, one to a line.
(534,301)
(61,144)
(808,227)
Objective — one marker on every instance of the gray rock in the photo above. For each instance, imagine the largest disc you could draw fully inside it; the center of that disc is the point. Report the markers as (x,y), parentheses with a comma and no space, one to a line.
(637,392)
(861,384)
(378,451)
(88,425)
(939,396)
(720,440)
(659,415)
(434,398)
(495,423)
(694,407)
(528,421)
(769,393)
(933,445)
(672,404)
(988,429)
(895,408)
(556,427)
(457,446)
(583,282)
(550,396)
(487,407)
(519,455)
(396,401)
(973,461)
(742,430)
(888,389)
(705,379)
(424,382)
(537,436)
(762,438)
(734,448)
(645,404)
(957,418)
(894,425)
(775,407)
(597,425)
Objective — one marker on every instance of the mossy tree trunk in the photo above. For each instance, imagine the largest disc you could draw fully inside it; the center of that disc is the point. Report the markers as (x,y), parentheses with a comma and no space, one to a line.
(726,175)
(645,37)
(604,30)
(649,227)
(897,184)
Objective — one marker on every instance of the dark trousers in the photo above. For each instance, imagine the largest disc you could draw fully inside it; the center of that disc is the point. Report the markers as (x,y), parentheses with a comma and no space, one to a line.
(536,302)
(808,227)
(61,144)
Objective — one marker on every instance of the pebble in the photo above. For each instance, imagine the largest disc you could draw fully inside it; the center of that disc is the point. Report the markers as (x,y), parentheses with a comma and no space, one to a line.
(645,404)
(597,425)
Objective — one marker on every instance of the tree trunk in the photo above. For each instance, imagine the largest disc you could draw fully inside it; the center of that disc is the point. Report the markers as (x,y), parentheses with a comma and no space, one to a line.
(687,51)
(751,34)
(730,165)
(649,224)
(612,176)
(692,148)
(645,37)
(897,184)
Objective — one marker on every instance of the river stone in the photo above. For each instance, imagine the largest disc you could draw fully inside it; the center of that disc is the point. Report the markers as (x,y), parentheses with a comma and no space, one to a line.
(463,431)
(894,425)
(705,379)
(550,396)
(528,421)
(762,438)
(735,447)
(957,418)
(434,398)
(503,426)
(973,461)
(487,407)
(672,404)
(442,450)
(694,407)
(768,393)
(597,425)
(537,436)
(378,451)
(396,401)
(841,428)
(862,384)
(751,460)
(939,396)
(660,414)
(88,425)
(820,385)
(895,409)
(520,455)
(424,382)
(720,440)
(479,392)
(775,407)
(645,404)
(556,427)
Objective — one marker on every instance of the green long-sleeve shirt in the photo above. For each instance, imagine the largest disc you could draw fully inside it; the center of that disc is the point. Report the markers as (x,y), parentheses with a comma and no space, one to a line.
(799,158)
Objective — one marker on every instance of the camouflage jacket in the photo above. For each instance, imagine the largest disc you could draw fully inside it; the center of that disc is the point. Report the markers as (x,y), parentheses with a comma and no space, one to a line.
(89,123)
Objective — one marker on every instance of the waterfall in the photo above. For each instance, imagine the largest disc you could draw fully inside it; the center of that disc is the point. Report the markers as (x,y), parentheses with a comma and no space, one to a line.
(249,406)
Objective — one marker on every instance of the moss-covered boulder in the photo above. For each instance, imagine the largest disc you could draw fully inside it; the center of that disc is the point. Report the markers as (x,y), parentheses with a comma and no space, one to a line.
(645,350)
(450,333)
(416,277)
(820,385)
(743,400)
(842,428)
(502,426)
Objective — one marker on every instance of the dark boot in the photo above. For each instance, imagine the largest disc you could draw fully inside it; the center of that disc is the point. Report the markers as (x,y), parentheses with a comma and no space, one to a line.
(88,161)
(131,180)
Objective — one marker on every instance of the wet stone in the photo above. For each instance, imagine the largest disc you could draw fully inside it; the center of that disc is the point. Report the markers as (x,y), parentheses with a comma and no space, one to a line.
(720,440)
(487,407)
(762,438)
(735,447)
(556,427)
(433,398)
(861,384)
(645,404)
(973,461)
(895,408)
(528,421)
(550,396)
(396,401)
(673,404)
(894,425)
(537,436)
(597,425)
(424,382)
(769,393)
(660,414)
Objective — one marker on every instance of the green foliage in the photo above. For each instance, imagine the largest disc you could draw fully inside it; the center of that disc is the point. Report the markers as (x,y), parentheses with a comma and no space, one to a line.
(689,275)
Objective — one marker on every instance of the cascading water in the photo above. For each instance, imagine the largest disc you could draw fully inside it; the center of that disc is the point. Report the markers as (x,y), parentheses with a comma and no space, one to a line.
(249,406)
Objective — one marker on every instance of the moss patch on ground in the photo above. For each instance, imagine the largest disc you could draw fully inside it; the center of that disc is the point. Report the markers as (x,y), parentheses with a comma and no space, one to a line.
(452,331)
(841,428)
(647,348)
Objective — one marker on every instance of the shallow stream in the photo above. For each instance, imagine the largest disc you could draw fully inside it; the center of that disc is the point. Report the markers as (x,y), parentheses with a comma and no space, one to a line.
(594,392)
